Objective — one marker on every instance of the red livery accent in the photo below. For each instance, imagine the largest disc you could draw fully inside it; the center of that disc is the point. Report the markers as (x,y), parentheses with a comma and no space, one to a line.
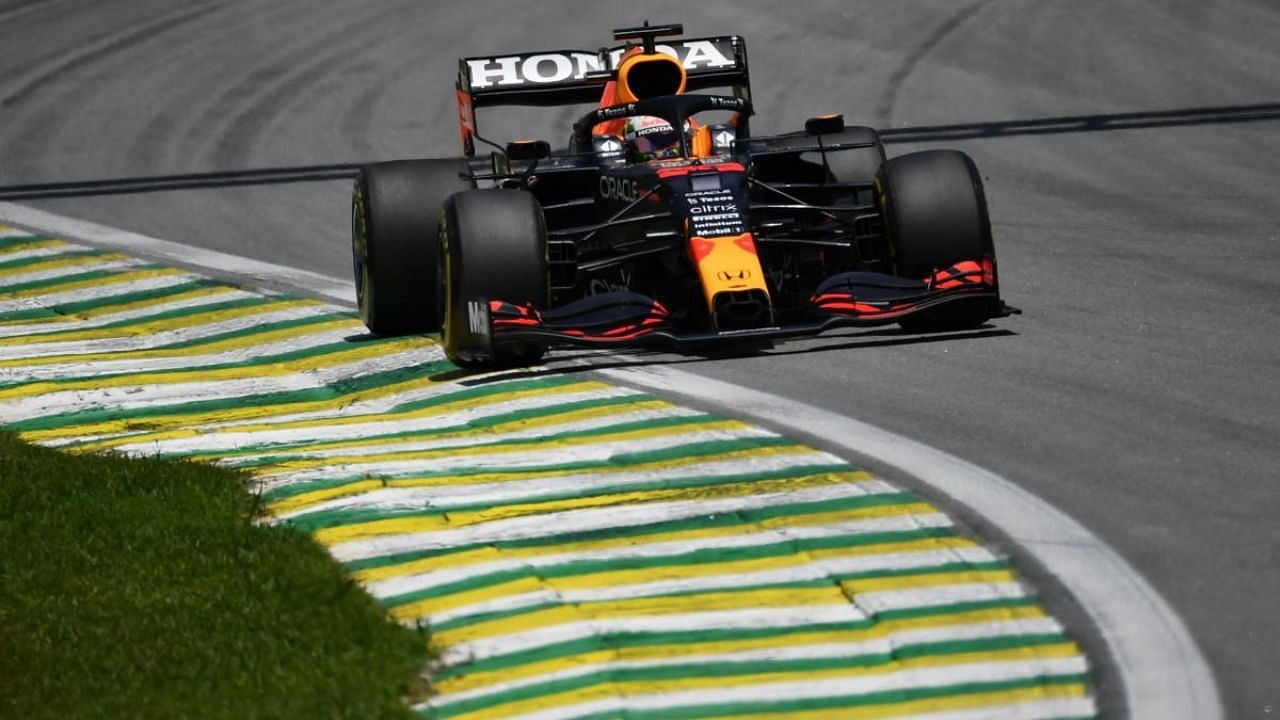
(700,248)
(665,173)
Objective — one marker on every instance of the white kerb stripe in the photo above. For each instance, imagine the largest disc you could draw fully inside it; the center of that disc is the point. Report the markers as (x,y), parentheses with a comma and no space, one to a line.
(486,646)
(586,520)
(850,685)
(1163,671)
(808,572)
(99,291)
(453,496)
(889,643)
(451,573)
(801,569)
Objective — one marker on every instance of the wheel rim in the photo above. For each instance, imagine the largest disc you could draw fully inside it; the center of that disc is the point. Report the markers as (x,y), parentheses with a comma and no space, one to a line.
(360,253)
(444,281)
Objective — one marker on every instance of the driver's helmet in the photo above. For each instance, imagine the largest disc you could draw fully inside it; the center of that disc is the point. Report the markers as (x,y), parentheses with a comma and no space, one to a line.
(650,138)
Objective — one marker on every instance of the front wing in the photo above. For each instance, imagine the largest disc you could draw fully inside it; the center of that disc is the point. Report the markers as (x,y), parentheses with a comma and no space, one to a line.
(854,299)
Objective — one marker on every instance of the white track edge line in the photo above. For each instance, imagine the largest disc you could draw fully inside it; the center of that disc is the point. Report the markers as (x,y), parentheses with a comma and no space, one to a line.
(1161,668)
(177,253)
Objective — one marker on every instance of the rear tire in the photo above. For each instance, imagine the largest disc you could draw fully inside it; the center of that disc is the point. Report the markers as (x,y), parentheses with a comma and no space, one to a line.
(493,246)
(846,166)
(395,213)
(935,214)
(857,164)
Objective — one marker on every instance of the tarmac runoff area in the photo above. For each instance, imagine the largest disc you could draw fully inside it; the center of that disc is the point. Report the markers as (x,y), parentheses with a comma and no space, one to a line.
(577,547)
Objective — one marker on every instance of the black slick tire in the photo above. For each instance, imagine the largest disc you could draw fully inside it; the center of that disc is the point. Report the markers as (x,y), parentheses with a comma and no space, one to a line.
(395,214)
(493,246)
(856,165)
(935,214)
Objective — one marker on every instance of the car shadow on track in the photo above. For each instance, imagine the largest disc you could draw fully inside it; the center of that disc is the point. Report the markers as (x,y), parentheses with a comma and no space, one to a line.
(579,362)
(928,133)
(1084,123)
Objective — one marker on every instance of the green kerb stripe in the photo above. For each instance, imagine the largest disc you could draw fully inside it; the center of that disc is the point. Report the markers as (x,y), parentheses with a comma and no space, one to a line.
(331,391)
(481,391)
(639,532)
(318,351)
(51,283)
(619,461)
(673,481)
(9,243)
(29,261)
(326,519)
(747,709)
(157,317)
(99,303)
(473,425)
(483,442)
(706,556)
(110,300)
(781,585)
(160,375)
(728,669)
(11,316)
(619,640)
(257,330)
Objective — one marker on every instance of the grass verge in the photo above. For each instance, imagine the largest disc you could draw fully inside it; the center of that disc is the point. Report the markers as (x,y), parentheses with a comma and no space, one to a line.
(142,588)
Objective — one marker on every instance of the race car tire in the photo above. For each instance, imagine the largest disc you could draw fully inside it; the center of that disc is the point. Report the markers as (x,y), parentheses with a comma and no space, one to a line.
(395,213)
(854,165)
(493,246)
(857,164)
(935,214)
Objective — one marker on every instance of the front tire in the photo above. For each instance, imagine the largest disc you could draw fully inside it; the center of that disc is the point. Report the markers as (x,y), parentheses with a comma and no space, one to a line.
(395,212)
(493,246)
(935,214)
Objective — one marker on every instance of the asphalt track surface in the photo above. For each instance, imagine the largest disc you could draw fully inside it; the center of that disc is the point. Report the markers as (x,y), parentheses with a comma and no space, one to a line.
(1130,152)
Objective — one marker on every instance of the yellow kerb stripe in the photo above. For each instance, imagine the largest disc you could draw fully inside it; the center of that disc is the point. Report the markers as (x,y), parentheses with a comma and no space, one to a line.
(290,367)
(123,278)
(509,448)
(617,688)
(107,310)
(149,328)
(791,597)
(66,261)
(180,424)
(209,348)
(494,431)
(733,567)
(33,245)
(465,518)
(998,704)
(440,410)
(490,554)
(880,630)
(621,578)
(667,604)
(914,582)
(307,499)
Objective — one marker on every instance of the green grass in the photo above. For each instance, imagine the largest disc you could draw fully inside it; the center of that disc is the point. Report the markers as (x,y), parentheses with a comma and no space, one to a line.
(142,588)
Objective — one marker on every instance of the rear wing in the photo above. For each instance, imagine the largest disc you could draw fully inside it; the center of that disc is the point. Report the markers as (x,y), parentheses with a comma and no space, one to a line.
(567,77)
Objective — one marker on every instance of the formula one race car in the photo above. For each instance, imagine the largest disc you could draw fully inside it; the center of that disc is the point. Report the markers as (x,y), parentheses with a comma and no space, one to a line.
(653,227)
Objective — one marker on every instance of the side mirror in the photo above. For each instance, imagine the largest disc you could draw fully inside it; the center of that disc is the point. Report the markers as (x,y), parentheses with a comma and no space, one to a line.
(824,124)
(528,149)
